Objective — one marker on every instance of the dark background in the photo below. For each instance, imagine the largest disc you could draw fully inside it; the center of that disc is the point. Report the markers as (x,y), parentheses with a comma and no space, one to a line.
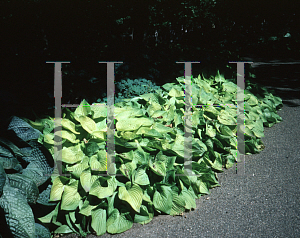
(148,36)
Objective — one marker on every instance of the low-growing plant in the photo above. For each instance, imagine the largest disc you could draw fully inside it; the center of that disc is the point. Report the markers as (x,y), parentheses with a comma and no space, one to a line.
(149,153)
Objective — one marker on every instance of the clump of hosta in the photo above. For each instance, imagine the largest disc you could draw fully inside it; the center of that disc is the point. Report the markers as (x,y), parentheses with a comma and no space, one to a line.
(150,151)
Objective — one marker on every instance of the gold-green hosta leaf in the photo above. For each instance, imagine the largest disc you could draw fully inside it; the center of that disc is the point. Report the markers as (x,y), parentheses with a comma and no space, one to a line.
(211,111)
(99,134)
(102,126)
(99,221)
(118,223)
(178,204)
(85,179)
(84,109)
(132,124)
(129,113)
(72,154)
(58,188)
(132,194)
(153,107)
(67,124)
(226,131)
(70,198)
(99,111)
(77,169)
(176,93)
(226,119)
(141,177)
(229,87)
(103,187)
(69,136)
(87,123)
(48,138)
(98,162)
(210,131)
(162,199)
(86,208)
(252,100)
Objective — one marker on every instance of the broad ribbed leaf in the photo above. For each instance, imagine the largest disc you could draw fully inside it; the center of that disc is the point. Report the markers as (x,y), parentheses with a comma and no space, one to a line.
(118,223)
(58,188)
(103,187)
(85,179)
(66,123)
(72,154)
(87,123)
(132,194)
(18,214)
(70,197)
(162,199)
(99,221)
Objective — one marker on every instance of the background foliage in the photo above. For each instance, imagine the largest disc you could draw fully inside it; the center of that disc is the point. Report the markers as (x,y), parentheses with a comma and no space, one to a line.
(148,36)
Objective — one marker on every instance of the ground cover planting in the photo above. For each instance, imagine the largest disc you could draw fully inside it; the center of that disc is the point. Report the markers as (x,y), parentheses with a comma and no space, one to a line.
(149,153)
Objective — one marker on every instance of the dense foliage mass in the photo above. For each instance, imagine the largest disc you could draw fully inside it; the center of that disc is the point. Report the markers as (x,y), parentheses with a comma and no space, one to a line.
(149,153)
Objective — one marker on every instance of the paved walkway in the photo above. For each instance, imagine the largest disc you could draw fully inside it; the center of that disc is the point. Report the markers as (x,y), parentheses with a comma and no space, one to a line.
(263,202)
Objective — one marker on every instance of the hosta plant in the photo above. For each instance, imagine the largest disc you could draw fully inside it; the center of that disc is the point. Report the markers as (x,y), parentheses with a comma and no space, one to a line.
(149,153)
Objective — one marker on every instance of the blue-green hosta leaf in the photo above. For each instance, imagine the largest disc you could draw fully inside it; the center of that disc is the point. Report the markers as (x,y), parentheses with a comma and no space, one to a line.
(205,97)
(72,154)
(2,178)
(99,221)
(103,187)
(67,124)
(85,179)
(118,223)
(58,188)
(18,214)
(26,186)
(84,109)
(70,197)
(162,198)
(132,194)
(8,161)
(87,123)
(141,177)
(41,231)
(98,162)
